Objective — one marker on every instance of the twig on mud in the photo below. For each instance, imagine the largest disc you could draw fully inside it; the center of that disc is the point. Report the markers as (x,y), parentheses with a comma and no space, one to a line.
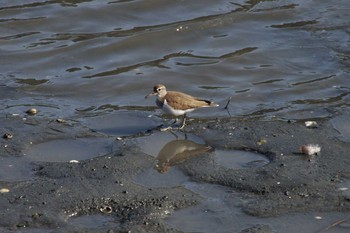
(334,225)
(228,102)
(226,106)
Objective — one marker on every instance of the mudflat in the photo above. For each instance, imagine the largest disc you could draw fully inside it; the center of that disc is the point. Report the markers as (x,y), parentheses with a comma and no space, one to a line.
(116,191)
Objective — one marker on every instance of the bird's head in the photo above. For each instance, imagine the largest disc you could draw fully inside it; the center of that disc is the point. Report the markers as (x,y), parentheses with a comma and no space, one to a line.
(158,90)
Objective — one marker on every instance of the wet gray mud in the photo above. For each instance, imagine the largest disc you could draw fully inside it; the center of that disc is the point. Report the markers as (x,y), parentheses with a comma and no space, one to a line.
(173,181)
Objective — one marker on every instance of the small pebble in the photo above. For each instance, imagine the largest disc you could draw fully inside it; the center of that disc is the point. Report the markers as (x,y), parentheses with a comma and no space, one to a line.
(311,124)
(7,136)
(262,141)
(59,120)
(32,111)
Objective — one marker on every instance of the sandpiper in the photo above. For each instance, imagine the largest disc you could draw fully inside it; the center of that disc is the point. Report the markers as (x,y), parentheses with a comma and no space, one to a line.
(178,103)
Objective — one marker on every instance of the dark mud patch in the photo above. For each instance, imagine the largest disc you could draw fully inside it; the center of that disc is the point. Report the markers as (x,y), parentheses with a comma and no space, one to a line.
(239,159)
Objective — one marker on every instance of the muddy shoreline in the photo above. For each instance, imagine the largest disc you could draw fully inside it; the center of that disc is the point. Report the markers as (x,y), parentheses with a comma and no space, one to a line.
(57,192)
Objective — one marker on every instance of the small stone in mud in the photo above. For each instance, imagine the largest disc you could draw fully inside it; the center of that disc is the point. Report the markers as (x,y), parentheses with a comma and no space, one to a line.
(311,124)
(32,111)
(7,136)
(59,120)
(262,141)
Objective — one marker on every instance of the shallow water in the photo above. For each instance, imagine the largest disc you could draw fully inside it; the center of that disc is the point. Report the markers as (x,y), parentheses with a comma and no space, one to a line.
(276,58)
(65,150)
(173,148)
(15,169)
(93,221)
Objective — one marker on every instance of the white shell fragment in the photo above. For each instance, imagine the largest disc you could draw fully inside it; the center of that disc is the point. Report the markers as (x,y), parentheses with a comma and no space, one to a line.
(311,124)
(106,209)
(310,149)
(73,161)
(4,190)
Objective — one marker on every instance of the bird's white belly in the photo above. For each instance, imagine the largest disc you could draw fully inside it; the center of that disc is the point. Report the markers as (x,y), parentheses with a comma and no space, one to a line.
(176,112)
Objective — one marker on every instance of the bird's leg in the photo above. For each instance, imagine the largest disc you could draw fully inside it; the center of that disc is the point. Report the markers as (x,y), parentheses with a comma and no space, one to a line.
(175,121)
(183,122)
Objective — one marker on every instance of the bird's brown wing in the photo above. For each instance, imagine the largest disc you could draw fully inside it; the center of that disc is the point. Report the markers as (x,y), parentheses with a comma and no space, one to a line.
(182,101)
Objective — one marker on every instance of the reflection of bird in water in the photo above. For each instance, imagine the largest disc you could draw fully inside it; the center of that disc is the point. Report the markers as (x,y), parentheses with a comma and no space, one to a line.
(177,151)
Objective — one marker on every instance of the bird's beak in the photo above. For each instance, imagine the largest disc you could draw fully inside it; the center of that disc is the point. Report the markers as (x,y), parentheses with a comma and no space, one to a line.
(150,94)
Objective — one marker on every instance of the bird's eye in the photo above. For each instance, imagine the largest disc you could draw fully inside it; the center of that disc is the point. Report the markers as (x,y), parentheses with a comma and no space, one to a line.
(158,89)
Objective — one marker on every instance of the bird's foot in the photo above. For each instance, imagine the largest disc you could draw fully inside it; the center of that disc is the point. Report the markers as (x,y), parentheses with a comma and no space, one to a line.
(172,128)
(166,128)
(182,126)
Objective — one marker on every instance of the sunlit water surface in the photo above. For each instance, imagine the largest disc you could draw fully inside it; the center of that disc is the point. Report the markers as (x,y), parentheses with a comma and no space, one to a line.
(276,58)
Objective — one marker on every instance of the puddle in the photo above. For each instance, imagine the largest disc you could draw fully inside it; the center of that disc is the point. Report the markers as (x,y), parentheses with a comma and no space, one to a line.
(169,149)
(220,212)
(15,169)
(177,151)
(153,144)
(341,124)
(65,150)
(93,221)
(239,159)
(152,178)
(123,123)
